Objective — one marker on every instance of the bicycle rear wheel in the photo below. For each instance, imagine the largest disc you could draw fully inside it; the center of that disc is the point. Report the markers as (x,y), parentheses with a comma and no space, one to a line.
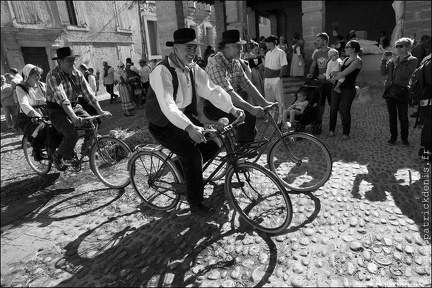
(313,167)
(40,167)
(157,183)
(259,197)
(109,162)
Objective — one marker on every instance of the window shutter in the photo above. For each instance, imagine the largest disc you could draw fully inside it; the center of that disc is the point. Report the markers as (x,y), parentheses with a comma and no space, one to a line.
(81,13)
(123,17)
(26,11)
(62,9)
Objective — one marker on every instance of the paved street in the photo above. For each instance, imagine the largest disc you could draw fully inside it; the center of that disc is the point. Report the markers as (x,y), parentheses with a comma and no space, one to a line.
(365,227)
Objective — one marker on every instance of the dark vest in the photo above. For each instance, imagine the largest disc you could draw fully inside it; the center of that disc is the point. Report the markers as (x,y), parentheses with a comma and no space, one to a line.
(129,72)
(154,113)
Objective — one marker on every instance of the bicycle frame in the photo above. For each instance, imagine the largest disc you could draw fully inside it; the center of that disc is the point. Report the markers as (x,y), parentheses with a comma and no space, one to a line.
(258,144)
(94,140)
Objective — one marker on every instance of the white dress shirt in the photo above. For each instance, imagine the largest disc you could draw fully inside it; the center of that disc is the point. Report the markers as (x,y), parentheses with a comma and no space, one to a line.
(161,83)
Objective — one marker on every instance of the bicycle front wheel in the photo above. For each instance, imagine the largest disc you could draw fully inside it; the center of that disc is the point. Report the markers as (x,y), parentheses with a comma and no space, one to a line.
(259,197)
(109,162)
(40,167)
(303,165)
(157,183)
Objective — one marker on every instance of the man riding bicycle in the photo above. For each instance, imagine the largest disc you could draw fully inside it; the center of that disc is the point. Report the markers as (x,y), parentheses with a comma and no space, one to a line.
(64,85)
(171,109)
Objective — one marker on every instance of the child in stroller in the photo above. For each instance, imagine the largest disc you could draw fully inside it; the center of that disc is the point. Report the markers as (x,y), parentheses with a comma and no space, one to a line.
(296,109)
(312,90)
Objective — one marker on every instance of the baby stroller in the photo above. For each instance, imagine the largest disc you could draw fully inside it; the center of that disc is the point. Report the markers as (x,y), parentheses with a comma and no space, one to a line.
(313,90)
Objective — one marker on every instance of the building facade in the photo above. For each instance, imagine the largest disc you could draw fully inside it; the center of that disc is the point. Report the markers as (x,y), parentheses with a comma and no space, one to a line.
(98,31)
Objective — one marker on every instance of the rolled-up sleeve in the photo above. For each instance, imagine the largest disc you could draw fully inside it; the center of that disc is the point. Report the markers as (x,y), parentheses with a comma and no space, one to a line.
(161,83)
(208,90)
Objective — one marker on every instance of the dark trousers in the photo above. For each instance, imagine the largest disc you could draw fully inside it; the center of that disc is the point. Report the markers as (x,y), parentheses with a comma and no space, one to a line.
(110,90)
(191,156)
(60,120)
(326,91)
(245,132)
(394,108)
(425,117)
(342,103)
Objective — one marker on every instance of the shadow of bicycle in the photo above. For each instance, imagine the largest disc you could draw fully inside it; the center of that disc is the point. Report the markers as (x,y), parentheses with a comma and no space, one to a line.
(174,248)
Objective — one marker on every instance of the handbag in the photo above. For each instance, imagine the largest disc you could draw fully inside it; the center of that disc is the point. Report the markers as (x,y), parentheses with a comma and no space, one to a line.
(300,63)
(396,93)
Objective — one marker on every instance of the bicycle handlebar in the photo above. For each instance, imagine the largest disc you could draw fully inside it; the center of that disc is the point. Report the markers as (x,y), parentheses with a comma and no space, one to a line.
(90,118)
(45,119)
(274,106)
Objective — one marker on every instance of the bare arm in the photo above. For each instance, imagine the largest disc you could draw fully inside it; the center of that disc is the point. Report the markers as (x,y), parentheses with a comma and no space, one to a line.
(256,95)
(312,69)
(356,64)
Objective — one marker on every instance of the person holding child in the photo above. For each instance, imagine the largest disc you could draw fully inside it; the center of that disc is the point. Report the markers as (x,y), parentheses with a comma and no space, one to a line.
(295,109)
(342,102)
(334,65)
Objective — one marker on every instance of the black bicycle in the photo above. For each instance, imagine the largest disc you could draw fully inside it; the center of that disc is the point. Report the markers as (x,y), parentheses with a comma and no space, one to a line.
(300,160)
(252,190)
(107,156)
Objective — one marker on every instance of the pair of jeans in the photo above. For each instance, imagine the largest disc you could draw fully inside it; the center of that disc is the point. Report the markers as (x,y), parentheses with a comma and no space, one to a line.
(191,155)
(425,117)
(396,109)
(342,102)
(60,120)
(110,90)
(326,91)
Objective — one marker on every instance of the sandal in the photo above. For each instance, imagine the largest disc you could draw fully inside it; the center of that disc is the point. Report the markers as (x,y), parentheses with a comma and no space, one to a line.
(128,114)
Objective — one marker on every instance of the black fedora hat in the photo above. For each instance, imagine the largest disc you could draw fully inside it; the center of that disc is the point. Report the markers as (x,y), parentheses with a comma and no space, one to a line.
(184,36)
(64,52)
(271,38)
(232,36)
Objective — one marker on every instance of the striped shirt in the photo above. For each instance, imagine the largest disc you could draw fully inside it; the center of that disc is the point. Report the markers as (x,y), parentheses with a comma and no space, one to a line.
(230,76)
(65,89)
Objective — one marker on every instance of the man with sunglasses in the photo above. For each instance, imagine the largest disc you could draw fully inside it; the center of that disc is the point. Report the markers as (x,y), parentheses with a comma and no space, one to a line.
(320,59)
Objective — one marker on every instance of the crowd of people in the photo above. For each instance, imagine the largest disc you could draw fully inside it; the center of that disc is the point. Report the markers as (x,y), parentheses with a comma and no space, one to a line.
(237,81)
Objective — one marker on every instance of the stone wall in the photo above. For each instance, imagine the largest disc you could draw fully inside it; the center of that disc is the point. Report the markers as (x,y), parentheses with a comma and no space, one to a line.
(172,15)
(312,23)
(97,38)
(417,19)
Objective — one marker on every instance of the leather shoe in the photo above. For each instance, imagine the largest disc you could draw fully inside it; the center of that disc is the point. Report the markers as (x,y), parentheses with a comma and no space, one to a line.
(37,154)
(58,162)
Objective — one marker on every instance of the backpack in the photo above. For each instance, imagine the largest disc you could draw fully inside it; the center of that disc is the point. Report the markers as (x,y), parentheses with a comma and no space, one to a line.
(417,82)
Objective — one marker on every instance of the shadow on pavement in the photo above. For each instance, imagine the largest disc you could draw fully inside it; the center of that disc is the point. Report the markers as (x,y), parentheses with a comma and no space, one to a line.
(11,144)
(86,203)
(383,173)
(22,199)
(175,249)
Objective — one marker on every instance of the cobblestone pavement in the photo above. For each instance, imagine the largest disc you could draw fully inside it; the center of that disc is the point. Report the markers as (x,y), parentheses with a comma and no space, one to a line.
(365,227)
